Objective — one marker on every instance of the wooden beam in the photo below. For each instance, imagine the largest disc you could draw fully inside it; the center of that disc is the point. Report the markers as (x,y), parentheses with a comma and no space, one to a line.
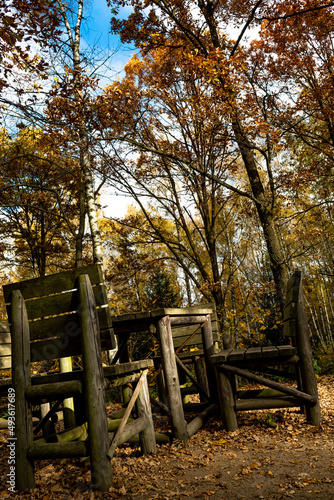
(269,383)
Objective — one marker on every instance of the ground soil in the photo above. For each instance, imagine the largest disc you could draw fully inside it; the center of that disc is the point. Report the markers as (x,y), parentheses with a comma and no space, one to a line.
(273,455)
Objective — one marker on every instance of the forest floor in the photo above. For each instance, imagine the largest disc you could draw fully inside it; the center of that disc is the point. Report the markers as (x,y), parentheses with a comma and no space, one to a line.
(273,455)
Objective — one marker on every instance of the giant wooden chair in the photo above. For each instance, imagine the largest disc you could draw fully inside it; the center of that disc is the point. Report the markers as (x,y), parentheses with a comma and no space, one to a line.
(248,363)
(57,316)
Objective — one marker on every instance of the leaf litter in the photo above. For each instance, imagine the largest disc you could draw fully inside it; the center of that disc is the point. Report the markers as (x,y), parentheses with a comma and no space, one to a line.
(274,455)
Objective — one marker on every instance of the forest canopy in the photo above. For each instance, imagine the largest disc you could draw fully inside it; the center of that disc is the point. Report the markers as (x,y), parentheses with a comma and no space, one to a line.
(219,130)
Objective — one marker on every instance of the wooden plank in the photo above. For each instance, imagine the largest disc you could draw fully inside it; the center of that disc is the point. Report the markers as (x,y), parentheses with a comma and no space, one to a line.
(180,311)
(184,332)
(4,327)
(24,467)
(5,350)
(5,362)
(52,305)
(269,383)
(127,368)
(94,388)
(68,325)
(221,356)
(196,340)
(5,337)
(236,355)
(188,319)
(253,353)
(270,352)
(53,283)
(286,350)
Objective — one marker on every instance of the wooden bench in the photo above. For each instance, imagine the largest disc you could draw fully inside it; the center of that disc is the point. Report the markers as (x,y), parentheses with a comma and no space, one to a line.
(267,360)
(59,316)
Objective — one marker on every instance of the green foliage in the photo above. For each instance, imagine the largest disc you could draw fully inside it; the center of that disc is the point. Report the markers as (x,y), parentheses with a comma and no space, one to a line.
(324,361)
(161,291)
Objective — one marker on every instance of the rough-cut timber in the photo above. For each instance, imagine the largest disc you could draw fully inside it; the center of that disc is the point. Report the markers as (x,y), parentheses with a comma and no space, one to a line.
(94,388)
(24,468)
(179,426)
(231,363)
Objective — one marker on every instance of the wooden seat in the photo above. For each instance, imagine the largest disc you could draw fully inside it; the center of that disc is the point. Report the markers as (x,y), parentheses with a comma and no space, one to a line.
(244,362)
(57,316)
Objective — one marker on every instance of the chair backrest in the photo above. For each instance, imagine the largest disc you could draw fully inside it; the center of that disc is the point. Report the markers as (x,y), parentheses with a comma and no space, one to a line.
(182,333)
(5,346)
(53,311)
(291,304)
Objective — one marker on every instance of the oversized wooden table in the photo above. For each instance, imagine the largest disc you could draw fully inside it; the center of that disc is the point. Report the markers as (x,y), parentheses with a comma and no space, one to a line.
(163,320)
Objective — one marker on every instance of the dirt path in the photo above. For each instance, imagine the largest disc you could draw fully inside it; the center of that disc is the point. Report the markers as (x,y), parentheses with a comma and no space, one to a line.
(274,455)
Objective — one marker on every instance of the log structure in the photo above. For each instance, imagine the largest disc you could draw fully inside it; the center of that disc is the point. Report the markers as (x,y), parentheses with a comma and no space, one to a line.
(265,360)
(185,336)
(54,317)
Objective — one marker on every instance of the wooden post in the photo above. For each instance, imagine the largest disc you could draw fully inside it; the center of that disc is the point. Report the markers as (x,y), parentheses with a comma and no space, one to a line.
(200,371)
(306,366)
(161,386)
(179,426)
(126,390)
(147,436)
(208,352)
(226,400)
(48,427)
(65,365)
(24,467)
(94,387)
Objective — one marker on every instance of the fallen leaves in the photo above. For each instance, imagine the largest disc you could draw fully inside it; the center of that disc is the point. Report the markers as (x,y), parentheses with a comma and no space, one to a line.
(294,460)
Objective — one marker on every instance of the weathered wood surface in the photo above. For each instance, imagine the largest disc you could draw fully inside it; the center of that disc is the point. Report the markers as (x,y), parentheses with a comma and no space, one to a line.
(54,283)
(54,295)
(127,413)
(200,420)
(268,404)
(41,451)
(254,354)
(5,346)
(147,436)
(226,400)
(269,383)
(200,389)
(306,365)
(65,366)
(24,468)
(94,387)
(54,391)
(179,427)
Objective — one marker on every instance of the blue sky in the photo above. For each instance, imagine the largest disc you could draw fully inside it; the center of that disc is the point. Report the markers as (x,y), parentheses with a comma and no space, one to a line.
(96,30)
